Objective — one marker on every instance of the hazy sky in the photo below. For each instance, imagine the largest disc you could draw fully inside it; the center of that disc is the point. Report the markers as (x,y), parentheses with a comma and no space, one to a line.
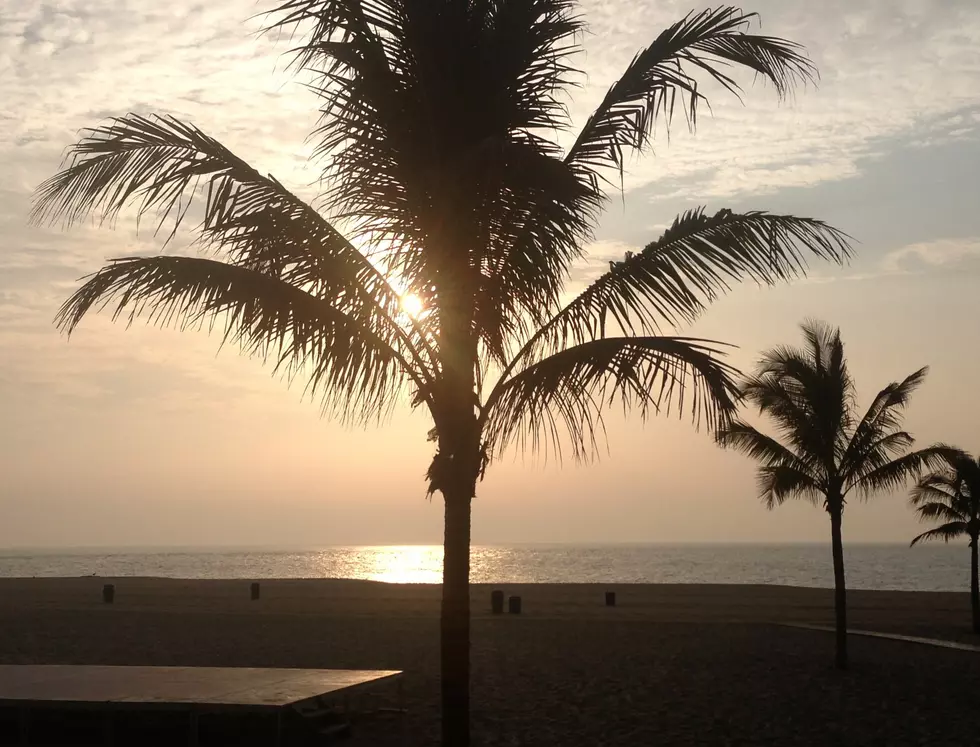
(147,437)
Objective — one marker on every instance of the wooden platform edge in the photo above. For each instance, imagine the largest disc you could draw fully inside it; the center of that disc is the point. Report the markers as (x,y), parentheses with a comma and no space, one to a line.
(194,706)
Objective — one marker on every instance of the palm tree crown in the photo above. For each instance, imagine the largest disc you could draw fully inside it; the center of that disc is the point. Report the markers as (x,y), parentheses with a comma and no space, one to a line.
(438,163)
(826,451)
(443,179)
(950,496)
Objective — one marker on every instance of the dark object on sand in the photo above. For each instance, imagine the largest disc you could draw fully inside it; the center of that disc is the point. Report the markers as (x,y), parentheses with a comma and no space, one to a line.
(108,593)
(514,605)
(610,598)
(255,590)
(497,602)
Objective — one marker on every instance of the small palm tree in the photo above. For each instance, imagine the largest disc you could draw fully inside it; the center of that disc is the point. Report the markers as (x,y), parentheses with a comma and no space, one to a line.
(444,185)
(950,494)
(825,451)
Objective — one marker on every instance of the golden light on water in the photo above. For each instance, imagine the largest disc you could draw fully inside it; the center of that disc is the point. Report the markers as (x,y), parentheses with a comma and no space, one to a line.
(409,564)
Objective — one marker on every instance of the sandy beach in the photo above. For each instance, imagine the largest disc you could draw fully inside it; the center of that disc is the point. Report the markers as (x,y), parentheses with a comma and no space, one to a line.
(668,665)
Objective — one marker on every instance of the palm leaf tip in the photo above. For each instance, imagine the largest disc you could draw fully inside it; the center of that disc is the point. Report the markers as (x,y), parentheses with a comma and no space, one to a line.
(359,372)
(561,398)
(783,63)
(946,532)
(662,76)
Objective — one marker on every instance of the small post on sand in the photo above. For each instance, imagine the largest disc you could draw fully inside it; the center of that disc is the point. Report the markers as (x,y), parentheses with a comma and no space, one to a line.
(610,598)
(514,605)
(497,602)
(108,593)
(255,590)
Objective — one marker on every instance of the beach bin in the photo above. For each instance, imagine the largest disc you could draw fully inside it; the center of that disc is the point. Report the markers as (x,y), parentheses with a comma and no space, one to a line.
(108,593)
(255,591)
(514,605)
(497,602)
(610,598)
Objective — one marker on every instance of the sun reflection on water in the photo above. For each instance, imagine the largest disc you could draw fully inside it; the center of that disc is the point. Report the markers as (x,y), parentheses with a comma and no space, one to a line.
(406,564)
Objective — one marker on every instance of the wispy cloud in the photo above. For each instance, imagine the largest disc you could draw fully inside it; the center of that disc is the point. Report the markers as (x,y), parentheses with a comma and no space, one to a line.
(940,253)
(913,259)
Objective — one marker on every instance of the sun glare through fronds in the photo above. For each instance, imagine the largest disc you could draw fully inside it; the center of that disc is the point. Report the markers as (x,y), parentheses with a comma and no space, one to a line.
(412,305)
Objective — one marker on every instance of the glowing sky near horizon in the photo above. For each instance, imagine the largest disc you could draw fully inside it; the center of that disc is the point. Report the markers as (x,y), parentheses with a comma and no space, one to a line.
(146,437)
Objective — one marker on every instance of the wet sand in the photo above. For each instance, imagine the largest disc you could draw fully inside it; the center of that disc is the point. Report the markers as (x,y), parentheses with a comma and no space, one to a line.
(667,665)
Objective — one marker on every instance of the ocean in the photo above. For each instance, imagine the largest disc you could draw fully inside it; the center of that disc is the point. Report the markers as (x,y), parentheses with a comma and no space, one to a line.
(925,568)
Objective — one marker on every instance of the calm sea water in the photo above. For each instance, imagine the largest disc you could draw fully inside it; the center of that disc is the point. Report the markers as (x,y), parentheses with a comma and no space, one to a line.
(930,568)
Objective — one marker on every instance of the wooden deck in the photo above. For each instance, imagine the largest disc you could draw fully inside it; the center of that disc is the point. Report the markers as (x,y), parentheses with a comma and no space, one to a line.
(38,693)
(206,688)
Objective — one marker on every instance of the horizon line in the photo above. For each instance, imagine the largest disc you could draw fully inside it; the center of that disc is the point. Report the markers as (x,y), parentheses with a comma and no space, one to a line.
(300,547)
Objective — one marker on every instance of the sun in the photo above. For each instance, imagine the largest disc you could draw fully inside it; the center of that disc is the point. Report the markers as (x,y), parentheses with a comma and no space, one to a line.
(412,305)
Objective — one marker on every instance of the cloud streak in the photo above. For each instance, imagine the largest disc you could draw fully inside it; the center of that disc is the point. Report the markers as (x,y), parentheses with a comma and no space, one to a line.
(941,253)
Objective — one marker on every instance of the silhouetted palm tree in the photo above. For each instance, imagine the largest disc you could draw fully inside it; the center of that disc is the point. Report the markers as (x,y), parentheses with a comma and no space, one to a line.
(950,496)
(826,451)
(442,174)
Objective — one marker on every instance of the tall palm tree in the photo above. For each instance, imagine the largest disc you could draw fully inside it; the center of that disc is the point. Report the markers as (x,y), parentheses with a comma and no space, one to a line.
(950,494)
(824,451)
(443,182)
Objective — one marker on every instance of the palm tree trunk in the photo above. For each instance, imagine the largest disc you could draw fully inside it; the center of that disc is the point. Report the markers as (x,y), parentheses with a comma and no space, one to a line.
(974,585)
(455,618)
(840,589)
(459,448)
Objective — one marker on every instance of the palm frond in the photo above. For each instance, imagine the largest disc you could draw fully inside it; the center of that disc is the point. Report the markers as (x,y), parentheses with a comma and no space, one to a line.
(746,439)
(782,473)
(789,411)
(535,234)
(328,24)
(779,482)
(808,393)
(662,75)
(162,165)
(675,277)
(947,511)
(957,471)
(874,456)
(561,398)
(883,416)
(818,377)
(872,477)
(946,532)
(936,486)
(358,373)
(891,445)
